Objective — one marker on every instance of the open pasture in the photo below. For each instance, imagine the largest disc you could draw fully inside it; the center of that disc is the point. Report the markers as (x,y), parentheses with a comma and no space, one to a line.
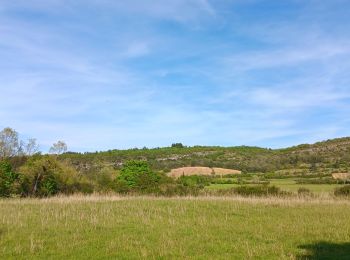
(184,228)
(286,185)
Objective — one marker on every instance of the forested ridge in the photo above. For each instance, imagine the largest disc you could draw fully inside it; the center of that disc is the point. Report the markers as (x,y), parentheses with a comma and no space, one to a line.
(321,157)
(25,171)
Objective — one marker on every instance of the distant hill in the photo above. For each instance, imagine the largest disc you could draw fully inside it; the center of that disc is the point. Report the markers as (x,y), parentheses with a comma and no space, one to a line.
(322,157)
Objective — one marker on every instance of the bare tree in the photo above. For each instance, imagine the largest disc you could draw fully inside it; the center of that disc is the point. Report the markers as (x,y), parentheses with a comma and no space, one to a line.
(58,148)
(31,147)
(9,143)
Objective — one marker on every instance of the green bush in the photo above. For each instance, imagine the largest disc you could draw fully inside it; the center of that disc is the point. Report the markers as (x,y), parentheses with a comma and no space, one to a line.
(137,176)
(170,190)
(304,191)
(259,190)
(45,176)
(105,180)
(223,181)
(342,191)
(194,180)
(9,180)
(256,190)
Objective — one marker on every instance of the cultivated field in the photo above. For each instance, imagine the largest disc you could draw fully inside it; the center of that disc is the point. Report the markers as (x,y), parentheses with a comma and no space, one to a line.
(183,228)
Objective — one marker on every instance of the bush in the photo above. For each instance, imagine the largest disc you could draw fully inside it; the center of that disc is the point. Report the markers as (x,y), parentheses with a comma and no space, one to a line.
(40,176)
(105,180)
(194,180)
(170,190)
(223,181)
(260,190)
(304,191)
(256,190)
(342,191)
(9,180)
(137,176)
(45,176)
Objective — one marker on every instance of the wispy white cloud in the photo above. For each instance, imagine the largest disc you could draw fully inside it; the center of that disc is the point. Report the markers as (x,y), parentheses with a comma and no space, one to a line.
(139,73)
(300,99)
(266,59)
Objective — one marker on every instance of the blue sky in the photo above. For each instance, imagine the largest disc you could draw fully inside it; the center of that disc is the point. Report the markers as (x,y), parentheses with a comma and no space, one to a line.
(104,74)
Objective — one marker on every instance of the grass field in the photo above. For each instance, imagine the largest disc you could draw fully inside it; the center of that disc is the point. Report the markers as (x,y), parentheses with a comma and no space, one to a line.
(286,185)
(183,228)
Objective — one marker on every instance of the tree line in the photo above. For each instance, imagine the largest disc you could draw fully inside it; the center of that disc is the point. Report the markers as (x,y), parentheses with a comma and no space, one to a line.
(24,171)
(42,175)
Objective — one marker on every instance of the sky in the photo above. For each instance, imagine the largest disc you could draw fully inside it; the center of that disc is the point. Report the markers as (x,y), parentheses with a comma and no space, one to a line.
(105,74)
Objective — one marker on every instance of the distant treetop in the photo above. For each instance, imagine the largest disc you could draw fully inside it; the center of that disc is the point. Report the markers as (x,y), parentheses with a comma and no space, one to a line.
(177,145)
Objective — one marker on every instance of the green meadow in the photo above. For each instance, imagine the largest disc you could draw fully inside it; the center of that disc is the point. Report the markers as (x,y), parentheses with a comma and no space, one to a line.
(287,184)
(105,227)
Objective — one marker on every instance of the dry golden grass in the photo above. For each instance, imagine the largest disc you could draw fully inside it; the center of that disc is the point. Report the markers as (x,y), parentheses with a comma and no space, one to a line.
(321,198)
(341,176)
(223,171)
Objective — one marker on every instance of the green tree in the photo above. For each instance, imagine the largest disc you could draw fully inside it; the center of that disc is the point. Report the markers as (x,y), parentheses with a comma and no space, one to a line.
(9,180)
(138,176)
(40,176)
(177,145)
(46,176)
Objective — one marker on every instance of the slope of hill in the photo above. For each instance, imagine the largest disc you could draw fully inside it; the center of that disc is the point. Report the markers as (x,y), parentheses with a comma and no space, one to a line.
(322,157)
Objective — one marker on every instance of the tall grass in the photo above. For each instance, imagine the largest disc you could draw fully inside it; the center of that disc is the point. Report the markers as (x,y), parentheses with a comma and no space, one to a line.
(82,227)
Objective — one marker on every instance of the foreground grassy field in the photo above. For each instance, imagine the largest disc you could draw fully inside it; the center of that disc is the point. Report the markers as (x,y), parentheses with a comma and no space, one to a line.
(197,228)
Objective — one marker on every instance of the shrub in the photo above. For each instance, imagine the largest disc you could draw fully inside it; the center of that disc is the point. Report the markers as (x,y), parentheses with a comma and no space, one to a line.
(121,186)
(170,190)
(342,191)
(259,190)
(223,181)
(40,176)
(45,176)
(194,180)
(9,180)
(105,179)
(304,191)
(256,190)
(137,176)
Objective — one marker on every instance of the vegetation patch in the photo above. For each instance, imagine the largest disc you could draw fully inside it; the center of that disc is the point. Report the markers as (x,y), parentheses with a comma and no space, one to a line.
(342,191)
(254,190)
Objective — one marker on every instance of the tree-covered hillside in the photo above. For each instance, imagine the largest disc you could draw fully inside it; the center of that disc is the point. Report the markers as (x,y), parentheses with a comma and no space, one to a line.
(26,172)
(322,157)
